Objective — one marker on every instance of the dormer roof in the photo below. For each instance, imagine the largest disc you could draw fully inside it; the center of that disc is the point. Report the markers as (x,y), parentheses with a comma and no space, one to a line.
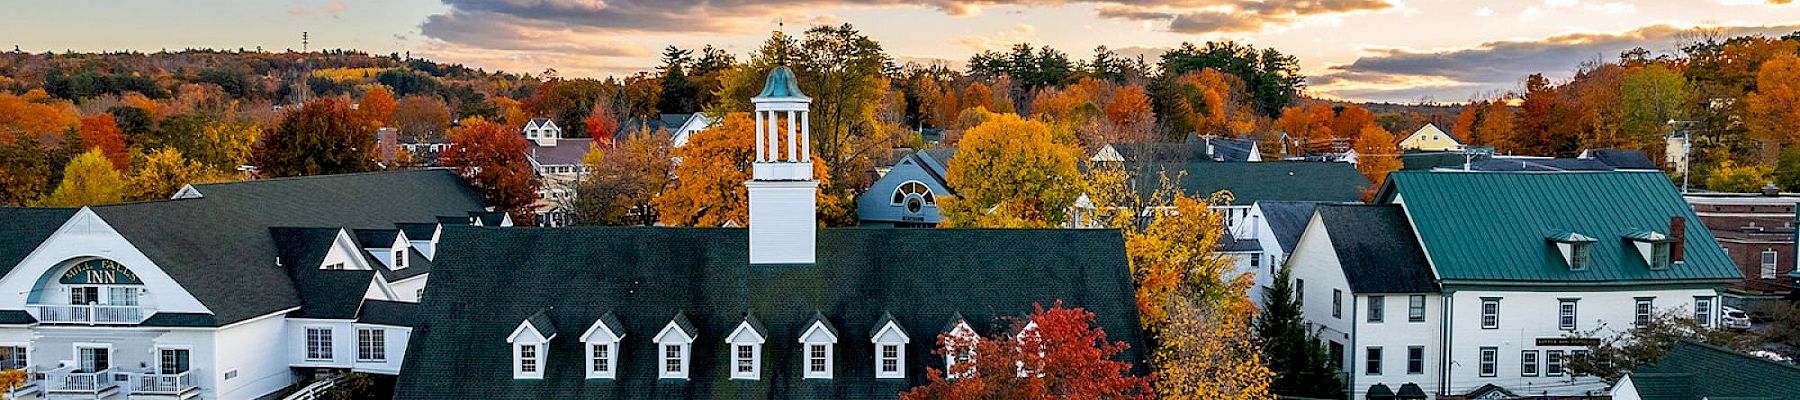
(818,322)
(1569,237)
(782,84)
(679,323)
(886,319)
(540,123)
(539,322)
(754,326)
(1647,236)
(609,322)
(376,238)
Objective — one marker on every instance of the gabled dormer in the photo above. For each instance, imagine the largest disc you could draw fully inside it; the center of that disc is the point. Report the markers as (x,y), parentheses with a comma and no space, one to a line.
(543,131)
(530,341)
(423,236)
(1576,249)
(602,341)
(745,343)
(890,348)
(674,347)
(960,346)
(1653,246)
(387,246)
(818,342)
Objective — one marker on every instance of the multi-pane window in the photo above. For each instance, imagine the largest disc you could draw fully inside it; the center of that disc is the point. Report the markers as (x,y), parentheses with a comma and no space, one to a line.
(1337,303)
(1528,363)
(890,359)
(1415,308)
(399,259)
(1768,264)
(1659,256)
(1256,261)
(601,354)
(14,357)
(1490,361)
(746,359)
(371,344)
(1415,359)
(1553,363)
(1377,308)
(318,344)
(1565,314)
(528,358)
(815,358)
(1300,292)
(672,359)
(1580,256)
(173,361)
(1642,310)
(1703,310)
(1490,313)
(1372,365)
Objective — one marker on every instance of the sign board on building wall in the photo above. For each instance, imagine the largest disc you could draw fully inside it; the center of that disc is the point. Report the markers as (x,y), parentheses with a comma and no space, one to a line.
(1568,341)
(99,272)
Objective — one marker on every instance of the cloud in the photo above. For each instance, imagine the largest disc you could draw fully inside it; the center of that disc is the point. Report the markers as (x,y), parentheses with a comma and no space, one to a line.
(493,31)
(299,11)
(1023,33)
(1400,74)
(336,7)
(1219,16)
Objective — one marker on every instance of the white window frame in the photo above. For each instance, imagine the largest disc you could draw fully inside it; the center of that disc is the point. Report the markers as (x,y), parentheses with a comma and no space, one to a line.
(112,359)
(599,335)
(1567,317)
(1769,260)
(1554,363)
(158,369)
(329,342)
(525,336)
(817,337)
(1374,355)
(1415,308)
(899,345)
(1528,363)
(1703,310)
(1643,309)
(400,259)
(951,353)
(371,345)
(745,336)
(1377,309)
(21,352)
(1490,318)
(672,335)
(1488,365)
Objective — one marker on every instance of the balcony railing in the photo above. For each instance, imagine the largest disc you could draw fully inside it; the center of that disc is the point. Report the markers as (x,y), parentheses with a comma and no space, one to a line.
(91,314)
(65,380)
(162,383)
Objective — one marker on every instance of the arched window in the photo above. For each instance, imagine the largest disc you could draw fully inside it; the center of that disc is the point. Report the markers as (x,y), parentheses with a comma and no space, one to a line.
(914,195)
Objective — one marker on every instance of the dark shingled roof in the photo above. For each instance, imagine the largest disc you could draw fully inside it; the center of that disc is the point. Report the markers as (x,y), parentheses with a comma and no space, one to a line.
(1251,182)
(1622,159)
(1232,243)
(544,326)
(376,238)
(391,313)
(416,264)
(567,151)
(1513,164)
(660,127)
(324,294)
(1695,371)
(219,246)
(23,229)
(16,317)
(1287,220)
(919,278)
(1377,249)
(420,230)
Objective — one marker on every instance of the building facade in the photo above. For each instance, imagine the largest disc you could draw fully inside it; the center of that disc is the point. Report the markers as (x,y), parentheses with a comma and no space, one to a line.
(1757,231)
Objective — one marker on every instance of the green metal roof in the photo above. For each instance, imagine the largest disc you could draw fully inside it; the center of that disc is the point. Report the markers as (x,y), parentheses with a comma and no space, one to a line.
(1490,227)
(782,84)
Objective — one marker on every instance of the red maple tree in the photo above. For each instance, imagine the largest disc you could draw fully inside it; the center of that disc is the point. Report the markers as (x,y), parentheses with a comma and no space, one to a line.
(1055,353)
(493,159)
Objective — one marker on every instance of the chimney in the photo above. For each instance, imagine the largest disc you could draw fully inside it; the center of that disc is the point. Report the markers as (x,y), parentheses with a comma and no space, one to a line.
(1678,238)
(783,194)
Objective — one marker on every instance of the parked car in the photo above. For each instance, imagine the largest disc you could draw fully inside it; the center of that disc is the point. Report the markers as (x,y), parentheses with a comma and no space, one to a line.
(1735,319)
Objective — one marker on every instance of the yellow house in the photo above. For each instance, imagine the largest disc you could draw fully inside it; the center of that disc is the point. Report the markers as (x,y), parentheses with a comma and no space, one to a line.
(1430,138)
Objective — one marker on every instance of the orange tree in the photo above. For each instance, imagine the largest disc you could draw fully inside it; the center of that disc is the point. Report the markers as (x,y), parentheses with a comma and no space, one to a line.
(492,158)
(709,182)
(1063,356)
(99,131)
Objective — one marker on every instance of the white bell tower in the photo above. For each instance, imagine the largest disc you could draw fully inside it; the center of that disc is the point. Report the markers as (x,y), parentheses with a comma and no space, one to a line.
(783,194)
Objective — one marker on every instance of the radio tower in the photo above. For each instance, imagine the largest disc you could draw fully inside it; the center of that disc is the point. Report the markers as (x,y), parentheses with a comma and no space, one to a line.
(304,41)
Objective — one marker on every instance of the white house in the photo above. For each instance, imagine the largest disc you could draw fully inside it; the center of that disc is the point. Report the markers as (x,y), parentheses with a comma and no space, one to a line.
(229,291)
(1530,268)
(557,161)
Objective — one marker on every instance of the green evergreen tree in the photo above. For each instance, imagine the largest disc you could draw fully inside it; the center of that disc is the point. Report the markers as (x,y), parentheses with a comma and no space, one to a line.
(679,95)
(1294,353)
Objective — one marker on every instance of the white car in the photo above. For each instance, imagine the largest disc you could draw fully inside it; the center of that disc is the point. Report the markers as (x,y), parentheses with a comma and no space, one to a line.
(1734,318)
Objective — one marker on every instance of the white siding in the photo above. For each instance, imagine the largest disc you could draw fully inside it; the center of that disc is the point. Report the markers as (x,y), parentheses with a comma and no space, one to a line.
(1394,334)
(395,338)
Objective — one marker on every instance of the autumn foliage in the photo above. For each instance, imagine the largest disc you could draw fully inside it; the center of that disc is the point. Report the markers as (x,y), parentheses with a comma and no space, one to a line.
(709,182)
(493,159)
(101,132)
(1059,355)
(1012,172)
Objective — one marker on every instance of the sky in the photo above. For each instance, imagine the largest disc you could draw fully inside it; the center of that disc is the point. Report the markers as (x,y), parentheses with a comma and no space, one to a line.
(1366,50)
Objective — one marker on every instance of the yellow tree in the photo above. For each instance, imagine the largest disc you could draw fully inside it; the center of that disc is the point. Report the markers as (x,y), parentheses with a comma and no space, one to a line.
(89,179)
(1210,352)
(11,379)
(1774,109)
(166,171)
(1012,172)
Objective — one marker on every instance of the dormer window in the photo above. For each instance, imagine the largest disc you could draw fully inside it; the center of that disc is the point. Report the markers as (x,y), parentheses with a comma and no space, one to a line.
(400,259)
(1028,336)
(530,343)
(746,343)
(674,346)
(1576,249)
(890,344)
(602,341)
(960,348)
(1653,247)
(914,195)
(816,346)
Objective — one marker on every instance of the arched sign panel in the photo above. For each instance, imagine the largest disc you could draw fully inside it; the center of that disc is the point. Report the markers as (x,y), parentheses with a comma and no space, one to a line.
(99,272)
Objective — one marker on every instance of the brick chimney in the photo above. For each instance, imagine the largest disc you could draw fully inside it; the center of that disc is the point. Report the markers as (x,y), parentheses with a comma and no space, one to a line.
(1678,237)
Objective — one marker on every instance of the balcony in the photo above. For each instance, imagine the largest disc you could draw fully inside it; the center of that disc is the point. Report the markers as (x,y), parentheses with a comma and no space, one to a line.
(66,382)
(91,314)
(158,385)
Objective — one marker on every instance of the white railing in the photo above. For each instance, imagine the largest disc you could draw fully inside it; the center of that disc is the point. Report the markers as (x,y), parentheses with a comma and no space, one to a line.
(91,314)
(89,382)
(162,383)
(314,390)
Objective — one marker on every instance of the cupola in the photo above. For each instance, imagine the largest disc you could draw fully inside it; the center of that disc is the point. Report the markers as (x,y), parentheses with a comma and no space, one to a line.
(783,193)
